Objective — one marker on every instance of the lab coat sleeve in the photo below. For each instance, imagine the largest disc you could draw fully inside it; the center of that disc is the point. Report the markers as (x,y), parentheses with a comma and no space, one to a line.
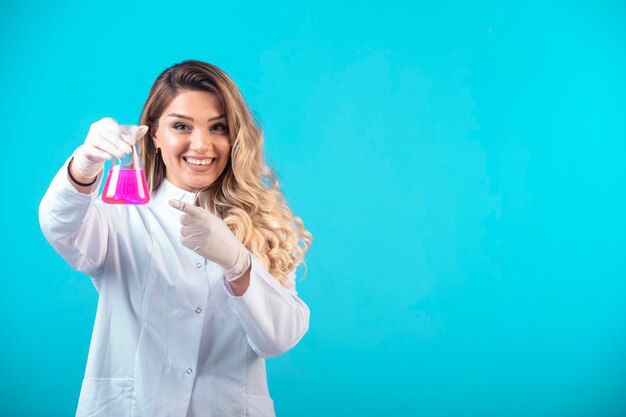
(74,225)
(273,317)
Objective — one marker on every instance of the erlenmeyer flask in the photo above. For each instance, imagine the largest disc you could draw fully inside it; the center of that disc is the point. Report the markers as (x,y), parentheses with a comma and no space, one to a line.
(126,182)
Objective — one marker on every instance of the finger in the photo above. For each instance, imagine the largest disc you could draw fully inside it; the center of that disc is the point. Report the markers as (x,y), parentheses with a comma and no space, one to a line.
(120,147)
(118,141)
(110,126)
(184,241)
(177,204)
(193,211)
(108,123)
(189,243)
(106,146)
(119,135)
(140,132)
(94,154)
(130,133)
(137,134)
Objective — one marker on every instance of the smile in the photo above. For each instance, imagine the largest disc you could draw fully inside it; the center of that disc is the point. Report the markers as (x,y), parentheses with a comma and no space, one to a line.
(194,161)
(199,165)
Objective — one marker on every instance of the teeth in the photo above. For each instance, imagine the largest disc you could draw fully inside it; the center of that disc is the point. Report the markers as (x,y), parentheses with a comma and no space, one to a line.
(199,161)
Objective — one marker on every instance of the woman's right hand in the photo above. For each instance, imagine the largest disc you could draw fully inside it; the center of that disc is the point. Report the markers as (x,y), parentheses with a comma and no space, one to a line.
(106,139)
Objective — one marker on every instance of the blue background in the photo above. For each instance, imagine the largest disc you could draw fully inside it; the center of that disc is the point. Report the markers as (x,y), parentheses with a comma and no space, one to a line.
(461,167)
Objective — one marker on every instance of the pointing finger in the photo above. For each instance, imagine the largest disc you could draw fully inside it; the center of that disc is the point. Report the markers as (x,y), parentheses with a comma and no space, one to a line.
(177,204)
(187,208)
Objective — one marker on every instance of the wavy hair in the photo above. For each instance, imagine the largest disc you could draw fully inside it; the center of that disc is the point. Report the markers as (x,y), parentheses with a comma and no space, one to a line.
(246,196)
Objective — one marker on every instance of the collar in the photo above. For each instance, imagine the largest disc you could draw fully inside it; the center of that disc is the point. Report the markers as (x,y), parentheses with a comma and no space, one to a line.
(168,191)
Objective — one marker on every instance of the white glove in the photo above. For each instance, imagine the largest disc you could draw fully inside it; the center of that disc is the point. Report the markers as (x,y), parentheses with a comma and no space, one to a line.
(106,139)
(208,236)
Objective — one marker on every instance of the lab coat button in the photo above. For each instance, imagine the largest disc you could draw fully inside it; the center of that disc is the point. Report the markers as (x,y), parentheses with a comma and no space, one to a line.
(189,371)
(198,310)
(198,265)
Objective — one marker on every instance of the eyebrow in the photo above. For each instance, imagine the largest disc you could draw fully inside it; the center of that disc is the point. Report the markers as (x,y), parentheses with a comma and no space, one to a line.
(182,116)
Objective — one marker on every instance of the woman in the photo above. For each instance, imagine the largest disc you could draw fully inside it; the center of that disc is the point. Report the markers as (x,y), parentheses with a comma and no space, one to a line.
(197,287)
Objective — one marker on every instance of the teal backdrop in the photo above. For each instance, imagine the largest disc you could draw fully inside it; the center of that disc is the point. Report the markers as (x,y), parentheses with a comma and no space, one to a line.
(461,165)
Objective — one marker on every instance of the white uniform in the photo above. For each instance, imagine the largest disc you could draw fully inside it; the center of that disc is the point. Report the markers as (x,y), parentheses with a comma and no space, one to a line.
(170,338)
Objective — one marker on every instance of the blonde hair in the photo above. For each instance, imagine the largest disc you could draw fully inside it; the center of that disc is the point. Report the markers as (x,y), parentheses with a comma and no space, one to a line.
(246,195)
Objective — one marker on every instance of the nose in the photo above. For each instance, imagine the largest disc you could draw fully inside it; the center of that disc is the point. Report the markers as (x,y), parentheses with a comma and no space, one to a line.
(200,141)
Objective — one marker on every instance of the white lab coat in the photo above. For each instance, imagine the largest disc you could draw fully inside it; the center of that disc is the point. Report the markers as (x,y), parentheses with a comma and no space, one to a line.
(170,338)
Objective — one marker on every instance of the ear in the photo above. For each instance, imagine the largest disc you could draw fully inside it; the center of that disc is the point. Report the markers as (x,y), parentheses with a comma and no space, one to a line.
(153,134)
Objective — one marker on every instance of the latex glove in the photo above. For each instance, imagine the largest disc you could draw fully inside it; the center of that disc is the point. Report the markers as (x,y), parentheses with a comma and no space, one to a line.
(208,236)
(106,139)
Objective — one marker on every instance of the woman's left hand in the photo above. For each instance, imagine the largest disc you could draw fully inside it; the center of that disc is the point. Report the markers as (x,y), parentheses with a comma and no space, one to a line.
(208,236)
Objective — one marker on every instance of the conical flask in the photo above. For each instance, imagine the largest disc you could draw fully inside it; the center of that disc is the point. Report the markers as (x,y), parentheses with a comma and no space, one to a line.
(126,182)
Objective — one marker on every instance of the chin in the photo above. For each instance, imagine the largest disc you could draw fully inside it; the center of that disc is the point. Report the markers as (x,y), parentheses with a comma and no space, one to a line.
(200,184)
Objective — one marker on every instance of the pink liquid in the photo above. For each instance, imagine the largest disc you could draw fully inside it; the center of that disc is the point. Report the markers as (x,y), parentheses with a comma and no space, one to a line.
(127,190)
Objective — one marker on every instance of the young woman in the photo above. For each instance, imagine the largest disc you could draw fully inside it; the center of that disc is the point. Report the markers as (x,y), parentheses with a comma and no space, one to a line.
(197,287)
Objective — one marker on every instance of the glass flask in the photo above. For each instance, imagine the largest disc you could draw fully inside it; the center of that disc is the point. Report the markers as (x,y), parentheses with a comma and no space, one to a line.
(126,182)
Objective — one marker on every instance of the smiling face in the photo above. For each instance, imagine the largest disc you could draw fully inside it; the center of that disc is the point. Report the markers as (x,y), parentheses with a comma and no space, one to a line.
(193,137)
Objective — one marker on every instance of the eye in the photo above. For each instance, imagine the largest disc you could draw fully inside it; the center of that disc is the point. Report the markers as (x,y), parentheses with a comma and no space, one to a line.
(180,126)
(219,128)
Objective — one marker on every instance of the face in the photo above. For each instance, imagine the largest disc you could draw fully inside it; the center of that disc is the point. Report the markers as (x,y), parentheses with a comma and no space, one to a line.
(193,137)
